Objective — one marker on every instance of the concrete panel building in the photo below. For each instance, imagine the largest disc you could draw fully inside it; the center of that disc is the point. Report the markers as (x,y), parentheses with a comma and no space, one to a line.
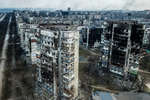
(57,76)
(121,46)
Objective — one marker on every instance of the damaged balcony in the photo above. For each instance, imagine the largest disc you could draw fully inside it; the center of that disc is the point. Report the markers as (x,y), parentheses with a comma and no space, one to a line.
(68,92)
(68,49)
(68,54)
(68,41)
(116,69)
(68,78)
(67,60)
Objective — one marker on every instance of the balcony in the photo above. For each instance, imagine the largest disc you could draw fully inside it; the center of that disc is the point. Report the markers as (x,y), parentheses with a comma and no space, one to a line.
(68,35)
(68,92)
(122,49)
(68,54)
(46,64)
(105,48)
(116,70)
(67,95)
(68,71)
(70,49)
(68,78)
(68,63)
(49,54)
(68,60)
(68,41)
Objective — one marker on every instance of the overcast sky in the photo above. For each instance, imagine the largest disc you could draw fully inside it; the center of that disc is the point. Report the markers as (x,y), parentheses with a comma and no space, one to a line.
(78,4)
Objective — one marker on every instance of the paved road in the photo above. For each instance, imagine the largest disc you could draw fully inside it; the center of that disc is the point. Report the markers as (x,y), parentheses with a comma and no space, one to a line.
(2,18)
(4,56)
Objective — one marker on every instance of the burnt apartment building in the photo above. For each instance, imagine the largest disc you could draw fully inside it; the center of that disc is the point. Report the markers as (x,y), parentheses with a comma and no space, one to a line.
(146,40)
(53,50)
(121,45)
(57,76)
(90,36)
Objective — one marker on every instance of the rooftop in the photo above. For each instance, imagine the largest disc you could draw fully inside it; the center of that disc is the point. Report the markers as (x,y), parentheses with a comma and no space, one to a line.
(58,27)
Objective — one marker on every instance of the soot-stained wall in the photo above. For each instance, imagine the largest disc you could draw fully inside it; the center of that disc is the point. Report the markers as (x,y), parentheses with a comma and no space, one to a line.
(137,34)
(94,35)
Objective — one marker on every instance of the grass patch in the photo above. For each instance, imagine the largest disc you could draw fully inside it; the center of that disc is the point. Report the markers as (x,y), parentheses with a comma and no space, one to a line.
(145,63)
(84,53)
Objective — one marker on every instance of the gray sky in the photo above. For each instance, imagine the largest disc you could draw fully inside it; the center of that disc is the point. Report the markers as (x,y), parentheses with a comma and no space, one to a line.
(79,4)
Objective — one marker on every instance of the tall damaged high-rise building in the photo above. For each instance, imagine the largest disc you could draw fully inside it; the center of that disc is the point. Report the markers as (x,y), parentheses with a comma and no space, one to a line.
(53,50)
(90,36)
(57,76)
(121,46)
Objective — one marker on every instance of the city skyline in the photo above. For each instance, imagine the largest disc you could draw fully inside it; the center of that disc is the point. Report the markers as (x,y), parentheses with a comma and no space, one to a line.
(79,4)
(72,54)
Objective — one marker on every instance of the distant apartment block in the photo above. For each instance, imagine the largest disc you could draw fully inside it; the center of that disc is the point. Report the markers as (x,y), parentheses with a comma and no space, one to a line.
(28,39)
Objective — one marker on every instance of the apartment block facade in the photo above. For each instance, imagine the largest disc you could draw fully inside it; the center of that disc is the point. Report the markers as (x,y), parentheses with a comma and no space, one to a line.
(58,73)
(121,46)
(54,52)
